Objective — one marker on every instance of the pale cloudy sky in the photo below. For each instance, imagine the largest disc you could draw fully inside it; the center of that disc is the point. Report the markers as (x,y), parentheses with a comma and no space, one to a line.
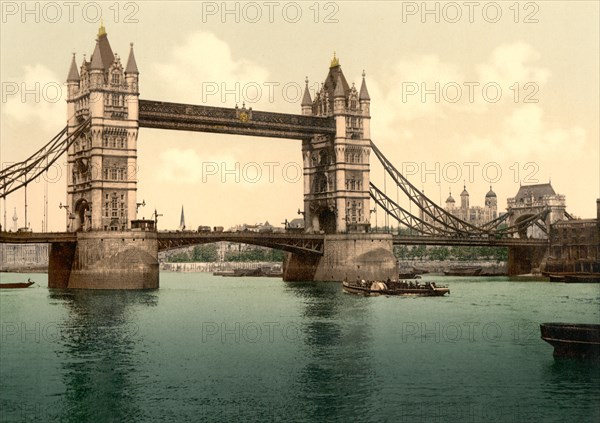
(498,93)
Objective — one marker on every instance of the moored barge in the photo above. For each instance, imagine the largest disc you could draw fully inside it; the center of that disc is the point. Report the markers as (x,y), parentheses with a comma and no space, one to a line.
(572,339)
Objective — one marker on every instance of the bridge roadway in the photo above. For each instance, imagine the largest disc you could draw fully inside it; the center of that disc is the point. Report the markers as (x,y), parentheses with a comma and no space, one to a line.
(468,241)
(190,117)
(292,242)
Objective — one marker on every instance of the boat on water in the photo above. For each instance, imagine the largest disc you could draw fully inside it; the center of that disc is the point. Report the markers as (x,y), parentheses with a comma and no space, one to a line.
(419,270)
(258,272)
(17,284)
(572,339)
(568,277)
(368,288)
(463,271)
(408,275)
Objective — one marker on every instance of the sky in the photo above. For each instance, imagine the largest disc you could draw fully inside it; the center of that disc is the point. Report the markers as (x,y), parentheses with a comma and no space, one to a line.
(477,93)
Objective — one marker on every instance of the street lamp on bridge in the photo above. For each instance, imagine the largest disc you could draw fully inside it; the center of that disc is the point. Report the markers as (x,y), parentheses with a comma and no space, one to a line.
(156,215)
(68,215)
(374,210)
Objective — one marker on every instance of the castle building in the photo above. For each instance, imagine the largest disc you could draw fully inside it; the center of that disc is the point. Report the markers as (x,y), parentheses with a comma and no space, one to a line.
(101,188)
(475,215)
(336,170)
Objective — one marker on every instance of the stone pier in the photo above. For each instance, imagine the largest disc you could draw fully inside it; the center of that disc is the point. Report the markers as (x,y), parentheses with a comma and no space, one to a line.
(524,260)
(364,256)
(105,260)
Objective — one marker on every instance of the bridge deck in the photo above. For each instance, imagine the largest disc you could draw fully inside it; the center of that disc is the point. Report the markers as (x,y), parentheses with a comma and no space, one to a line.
(294,242)
(187,117)
(468,241)
(36,237)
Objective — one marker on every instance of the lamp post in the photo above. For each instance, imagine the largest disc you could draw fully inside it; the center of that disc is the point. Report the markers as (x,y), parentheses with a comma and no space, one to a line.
(138,205)
(156,215)
(374,210)
(66,207)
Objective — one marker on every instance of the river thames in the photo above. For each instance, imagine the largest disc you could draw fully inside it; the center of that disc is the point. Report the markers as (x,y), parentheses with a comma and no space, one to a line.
(207,348)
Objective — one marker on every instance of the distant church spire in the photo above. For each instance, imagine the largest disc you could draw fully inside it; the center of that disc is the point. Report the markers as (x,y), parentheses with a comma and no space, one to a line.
(182,220)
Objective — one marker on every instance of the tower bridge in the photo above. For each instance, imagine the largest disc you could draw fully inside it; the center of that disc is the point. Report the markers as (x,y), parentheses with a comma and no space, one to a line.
(103,250)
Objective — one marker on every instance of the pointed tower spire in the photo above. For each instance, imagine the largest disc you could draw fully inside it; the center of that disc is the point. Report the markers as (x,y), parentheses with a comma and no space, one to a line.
(182,220)
(73,73)
(364,93)
(306,100)
(339,87)
(97,58)
(131,64)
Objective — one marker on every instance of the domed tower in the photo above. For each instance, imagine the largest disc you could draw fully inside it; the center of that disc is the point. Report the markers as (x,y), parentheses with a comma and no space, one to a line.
(450,203)
(464,198)
(491,204)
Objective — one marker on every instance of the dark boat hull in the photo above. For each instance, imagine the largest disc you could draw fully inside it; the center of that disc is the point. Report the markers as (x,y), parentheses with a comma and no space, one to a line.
(424,291)
(572,339)
(463,271)
(574,277)
(16,285)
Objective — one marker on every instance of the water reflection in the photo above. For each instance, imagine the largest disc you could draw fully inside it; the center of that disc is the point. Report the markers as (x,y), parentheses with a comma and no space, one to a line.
(338,378)
(99,357)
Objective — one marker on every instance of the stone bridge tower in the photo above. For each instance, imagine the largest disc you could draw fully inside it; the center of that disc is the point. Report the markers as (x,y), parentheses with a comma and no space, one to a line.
(529,201)
(336,168)
(102,164)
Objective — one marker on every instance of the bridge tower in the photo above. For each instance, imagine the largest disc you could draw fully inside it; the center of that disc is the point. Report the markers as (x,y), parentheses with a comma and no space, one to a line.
(336,188)
(101,188)
(532,199)
(336,168)
(529,201)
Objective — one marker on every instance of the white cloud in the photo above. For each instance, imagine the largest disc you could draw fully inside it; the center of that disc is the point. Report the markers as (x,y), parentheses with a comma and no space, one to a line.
(35,98)
(403,92)
(188,167)
(512,63)
(201,65)
(525,134)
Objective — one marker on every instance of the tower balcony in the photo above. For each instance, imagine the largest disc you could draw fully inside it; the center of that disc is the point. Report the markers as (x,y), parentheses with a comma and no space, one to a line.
(115,112)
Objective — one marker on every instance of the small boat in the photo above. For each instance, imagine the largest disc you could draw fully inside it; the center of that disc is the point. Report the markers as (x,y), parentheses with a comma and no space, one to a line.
(463,271)
(17,284)
(420,271)
(572,339)
(369,288)
(408,275)
(223,273)
(258,272)
(574,277)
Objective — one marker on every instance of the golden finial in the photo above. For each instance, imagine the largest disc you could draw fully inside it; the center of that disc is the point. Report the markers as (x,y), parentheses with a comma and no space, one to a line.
(101,30)
(334,62)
